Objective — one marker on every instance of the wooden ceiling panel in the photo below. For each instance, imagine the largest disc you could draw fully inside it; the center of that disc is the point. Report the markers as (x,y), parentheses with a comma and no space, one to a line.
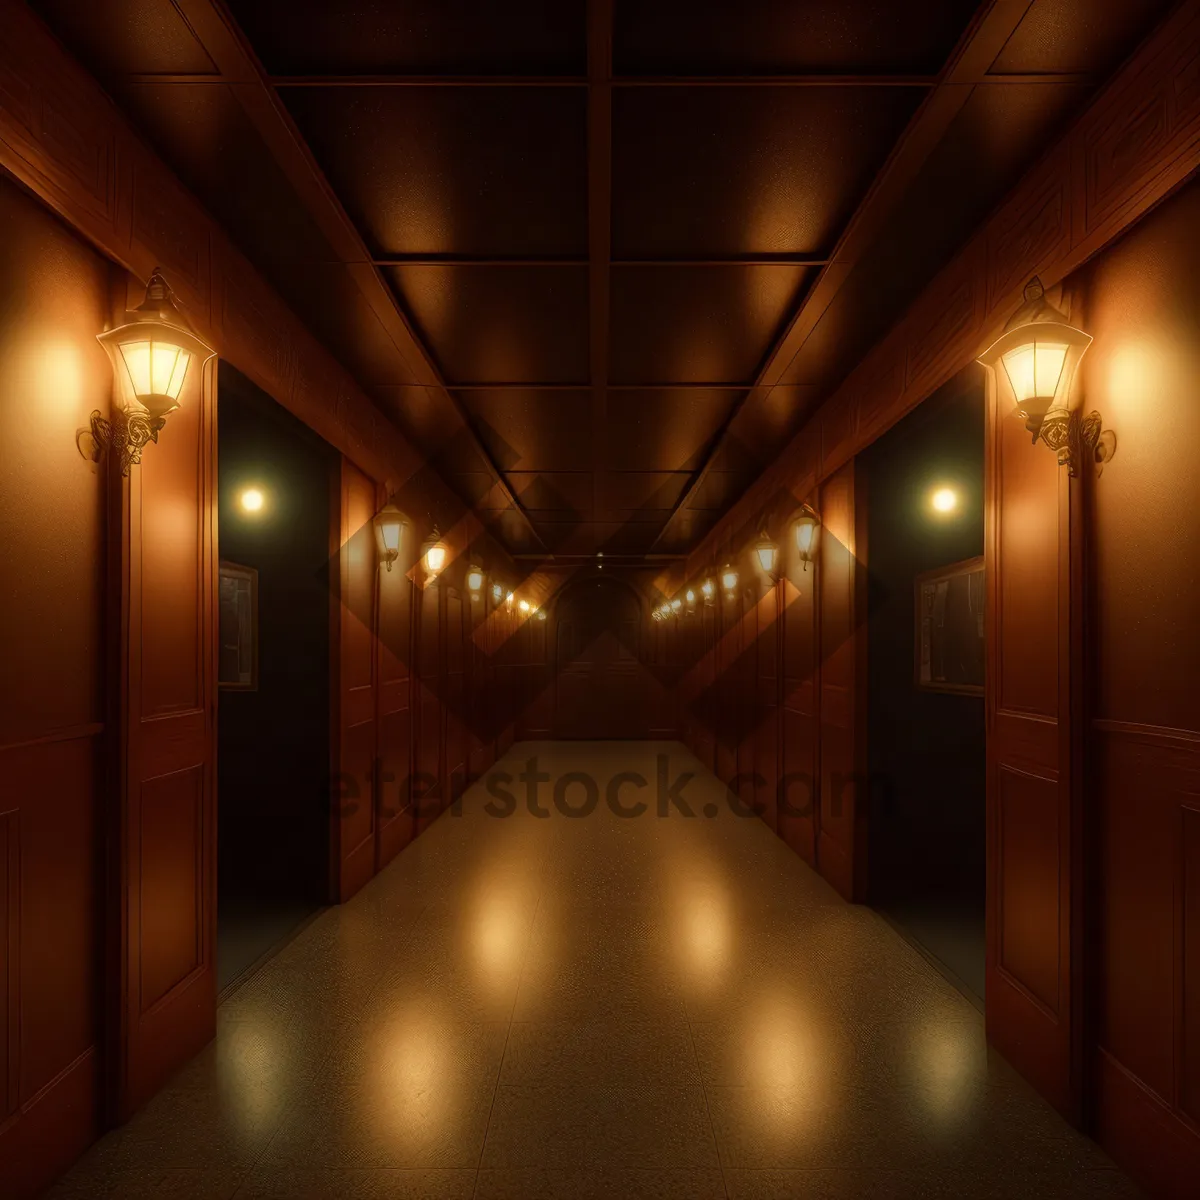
(663,429)
(999,132)
(559,495)
(787,36)
(443,171)
(416,37)
(1079,35)
(118,38)
(698,324)
(516,325)
(530,430)
(641,495)
(761,170)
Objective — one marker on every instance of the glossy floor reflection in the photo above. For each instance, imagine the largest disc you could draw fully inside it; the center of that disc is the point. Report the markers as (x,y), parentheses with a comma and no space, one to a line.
(597,1007)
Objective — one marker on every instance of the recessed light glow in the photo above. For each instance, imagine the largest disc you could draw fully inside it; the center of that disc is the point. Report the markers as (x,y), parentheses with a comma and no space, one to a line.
(944,500)
(252,500)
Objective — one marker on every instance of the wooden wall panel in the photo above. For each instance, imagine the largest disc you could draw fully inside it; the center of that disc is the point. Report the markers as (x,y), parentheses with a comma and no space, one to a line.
(393,801)
(1034,916)
(54,292)
(841,837)
(1141,302)
(430,714)
(167,810)
(353,682)
(800,688)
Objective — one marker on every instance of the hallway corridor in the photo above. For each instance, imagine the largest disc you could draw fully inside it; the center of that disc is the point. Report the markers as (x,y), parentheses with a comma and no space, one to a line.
(596,1007)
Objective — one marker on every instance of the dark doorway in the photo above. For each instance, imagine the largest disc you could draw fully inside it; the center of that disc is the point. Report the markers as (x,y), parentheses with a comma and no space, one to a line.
(273,714)
(926,741)
(600,686)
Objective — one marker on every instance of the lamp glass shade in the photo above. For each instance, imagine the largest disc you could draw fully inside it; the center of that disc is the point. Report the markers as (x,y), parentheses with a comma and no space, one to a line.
(676,604)
(475,580)
(729,579)
(707,589)
(508,601)
(541,614)
(389,530)
(497,592)
(523,605)
(156,367)
(766,551)
(690,597)
(806,527)
(435,557)
(1035,369)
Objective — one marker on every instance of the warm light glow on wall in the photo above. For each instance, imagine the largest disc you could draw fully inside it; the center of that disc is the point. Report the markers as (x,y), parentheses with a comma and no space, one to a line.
(497,592)
(251,500)
(944,500)
(434,554)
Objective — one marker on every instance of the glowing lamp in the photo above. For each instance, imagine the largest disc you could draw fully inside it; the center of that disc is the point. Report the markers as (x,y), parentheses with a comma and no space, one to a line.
(690,598)
(807,526)
(1037,357)
(433,554)
(252,500)
(508,602)
(151,354)
(475,582)
(766,552)
(676,605)
(944,500)
(707,589)
(497,592)
(523,605)
(389,529)
(729,579)
(541,614)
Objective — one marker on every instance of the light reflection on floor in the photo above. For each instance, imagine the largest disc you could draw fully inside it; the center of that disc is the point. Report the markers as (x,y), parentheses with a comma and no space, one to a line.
(597,1007)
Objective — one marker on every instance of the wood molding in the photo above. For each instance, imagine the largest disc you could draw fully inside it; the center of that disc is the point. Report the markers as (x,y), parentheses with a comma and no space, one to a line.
(1135,144)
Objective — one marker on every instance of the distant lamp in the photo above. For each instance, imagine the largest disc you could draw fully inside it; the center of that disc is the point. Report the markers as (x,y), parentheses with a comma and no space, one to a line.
(389,529)
(944,500)
(708,590)
(523,605)
(151,354)
(1038,355)
(690,598)
(807,526)
(475,582)
(433,554)
(252,500)
(541,614)
(729,581)
(508,602)
(676,605)
(766,551)
(497,592)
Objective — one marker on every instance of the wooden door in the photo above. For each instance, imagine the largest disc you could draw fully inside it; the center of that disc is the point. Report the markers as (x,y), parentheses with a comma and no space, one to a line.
(1032,836)
(729,643)
(798,810)
(394,819)
(600,685)
(842,829)
(166,812)
(766,746)
(353,679)
(430,724)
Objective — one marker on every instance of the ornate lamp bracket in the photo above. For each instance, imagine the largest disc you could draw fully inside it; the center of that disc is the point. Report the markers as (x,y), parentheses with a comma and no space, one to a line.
(1074,438)
(127,434)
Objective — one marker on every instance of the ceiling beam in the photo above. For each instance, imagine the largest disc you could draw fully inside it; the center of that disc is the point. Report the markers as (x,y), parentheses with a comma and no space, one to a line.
(229,50)
(994,23)
(599,159)
(583,387)
(459,260)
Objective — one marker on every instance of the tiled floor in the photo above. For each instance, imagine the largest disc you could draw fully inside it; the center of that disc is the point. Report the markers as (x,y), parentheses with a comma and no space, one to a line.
(597,1007)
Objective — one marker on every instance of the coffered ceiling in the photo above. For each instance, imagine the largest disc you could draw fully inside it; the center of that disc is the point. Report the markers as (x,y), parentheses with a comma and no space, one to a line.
(600,258)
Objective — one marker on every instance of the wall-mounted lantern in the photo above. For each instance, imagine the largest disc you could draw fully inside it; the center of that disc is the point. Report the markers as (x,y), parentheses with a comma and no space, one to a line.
(540,613)
(151,354)
(708,590)
(497,592)
(508,602)
(690,600)
(389,530)
(475,581)
(729,580)
(676,605)
(766,551)
(807,527)
(1038,355)
(523,605)
(433,554)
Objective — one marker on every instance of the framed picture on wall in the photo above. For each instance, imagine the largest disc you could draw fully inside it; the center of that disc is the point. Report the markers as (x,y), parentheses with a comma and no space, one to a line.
(949,634)
(237,662)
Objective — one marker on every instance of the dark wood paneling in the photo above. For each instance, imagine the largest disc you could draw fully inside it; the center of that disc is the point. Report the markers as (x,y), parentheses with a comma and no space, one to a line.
(841,837)
(167,569)
(800,688)
(353,676)
(393,800)
(1034,934)
(430,728)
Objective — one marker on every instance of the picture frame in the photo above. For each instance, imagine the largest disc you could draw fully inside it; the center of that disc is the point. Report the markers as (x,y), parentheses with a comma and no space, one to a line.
(950,651)
(237,656)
